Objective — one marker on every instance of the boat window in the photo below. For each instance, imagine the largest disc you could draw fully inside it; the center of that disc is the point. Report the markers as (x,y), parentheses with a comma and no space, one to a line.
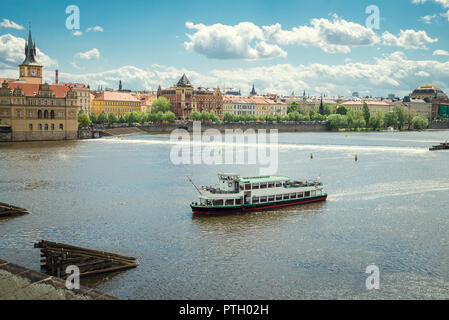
(247,186)
(263,186)
(301,195)
(270,198)
(293,196)
(319,192)
(256,186)
(286,196)
(307,194)
(271,185)
(313,193)
(278,184)
(263,199)
(218,203)
(242,187)
(279,197)
(209,203)
(230,202)
(238,201)
(255,199)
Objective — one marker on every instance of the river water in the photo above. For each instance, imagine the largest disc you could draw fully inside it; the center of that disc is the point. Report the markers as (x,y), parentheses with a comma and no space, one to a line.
(390,209)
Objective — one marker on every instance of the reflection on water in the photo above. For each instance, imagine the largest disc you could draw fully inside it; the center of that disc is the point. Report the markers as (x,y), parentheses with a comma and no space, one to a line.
(125,196)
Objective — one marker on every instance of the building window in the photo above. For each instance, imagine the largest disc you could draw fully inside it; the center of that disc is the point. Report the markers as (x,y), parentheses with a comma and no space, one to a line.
(46,127)
(31,127)
(40,126)
(61,127)
(46,114)
(52,127)
(18,114)
(52,114)
(39,114)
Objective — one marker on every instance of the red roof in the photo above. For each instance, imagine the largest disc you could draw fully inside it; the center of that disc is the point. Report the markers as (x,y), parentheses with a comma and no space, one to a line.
(116,96)
(30,90)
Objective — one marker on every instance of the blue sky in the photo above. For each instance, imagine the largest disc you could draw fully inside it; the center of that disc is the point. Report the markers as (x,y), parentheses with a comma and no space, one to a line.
(236,43)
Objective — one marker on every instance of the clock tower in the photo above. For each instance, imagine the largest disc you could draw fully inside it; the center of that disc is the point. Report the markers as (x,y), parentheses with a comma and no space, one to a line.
(30,70)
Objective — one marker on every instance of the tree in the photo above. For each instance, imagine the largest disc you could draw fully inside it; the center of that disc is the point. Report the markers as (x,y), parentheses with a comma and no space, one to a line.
(205,116)
(401,114)
(420,123)
(112,118)
(84,120)
(377,121)
(336,121)
(132,118)
(228,117)
(410,115)
(294,106)
(169,117)
(342,110)
(102,118)
(161,104)
(318,117)
(391,120)
(195,116)
(93,117)
(121,120)
(366,112)
(159,116)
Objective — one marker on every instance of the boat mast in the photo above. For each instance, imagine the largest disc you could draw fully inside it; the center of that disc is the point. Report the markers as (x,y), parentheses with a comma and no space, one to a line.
(194,185)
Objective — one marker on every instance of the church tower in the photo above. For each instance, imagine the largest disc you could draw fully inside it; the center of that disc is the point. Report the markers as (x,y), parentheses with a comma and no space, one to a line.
(30,70)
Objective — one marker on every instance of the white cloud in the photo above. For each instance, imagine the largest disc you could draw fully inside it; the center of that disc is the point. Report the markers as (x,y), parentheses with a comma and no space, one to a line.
(76,66)
(95,29)
(10,24)
(89,55)
(444,3)
(422,74)
(77,33)
(336,36)
(393,73)
(440,53)
(408,39)
(242,41)
(428,19)
(12,52)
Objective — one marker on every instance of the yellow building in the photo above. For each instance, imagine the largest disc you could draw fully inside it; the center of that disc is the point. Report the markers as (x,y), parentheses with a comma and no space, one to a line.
(118,103)
(228,104)
(263,106)
(373,106)
(32,111)
(38,112)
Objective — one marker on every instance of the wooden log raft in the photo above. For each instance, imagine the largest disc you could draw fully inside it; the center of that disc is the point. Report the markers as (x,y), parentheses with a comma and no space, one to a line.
(56,257)
(7,210)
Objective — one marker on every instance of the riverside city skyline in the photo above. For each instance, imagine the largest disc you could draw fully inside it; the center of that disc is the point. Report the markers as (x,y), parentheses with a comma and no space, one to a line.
(336,50)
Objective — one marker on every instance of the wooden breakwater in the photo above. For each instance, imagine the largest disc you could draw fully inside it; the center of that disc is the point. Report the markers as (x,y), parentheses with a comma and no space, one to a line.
(56,257)
(7,210)
(19,283)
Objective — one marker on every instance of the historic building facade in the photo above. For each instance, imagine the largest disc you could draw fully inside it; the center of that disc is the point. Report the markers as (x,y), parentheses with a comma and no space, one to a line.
(35,113)
(115,102)
(32,111)
(184,99)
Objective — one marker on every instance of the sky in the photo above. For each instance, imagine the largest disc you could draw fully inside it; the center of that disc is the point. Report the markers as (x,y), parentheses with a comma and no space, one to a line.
(333,47)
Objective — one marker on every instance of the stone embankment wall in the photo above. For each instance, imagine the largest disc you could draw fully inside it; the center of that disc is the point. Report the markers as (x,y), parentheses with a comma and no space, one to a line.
(436,124)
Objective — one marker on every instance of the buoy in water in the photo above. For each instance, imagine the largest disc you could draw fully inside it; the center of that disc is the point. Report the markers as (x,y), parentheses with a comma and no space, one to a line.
(311,156)
(356,158)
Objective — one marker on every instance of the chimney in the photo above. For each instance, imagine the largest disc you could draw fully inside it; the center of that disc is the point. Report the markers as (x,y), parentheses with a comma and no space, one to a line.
(57,76)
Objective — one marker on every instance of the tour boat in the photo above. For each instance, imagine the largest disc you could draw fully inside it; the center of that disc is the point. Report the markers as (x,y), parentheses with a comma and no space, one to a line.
(242,194)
